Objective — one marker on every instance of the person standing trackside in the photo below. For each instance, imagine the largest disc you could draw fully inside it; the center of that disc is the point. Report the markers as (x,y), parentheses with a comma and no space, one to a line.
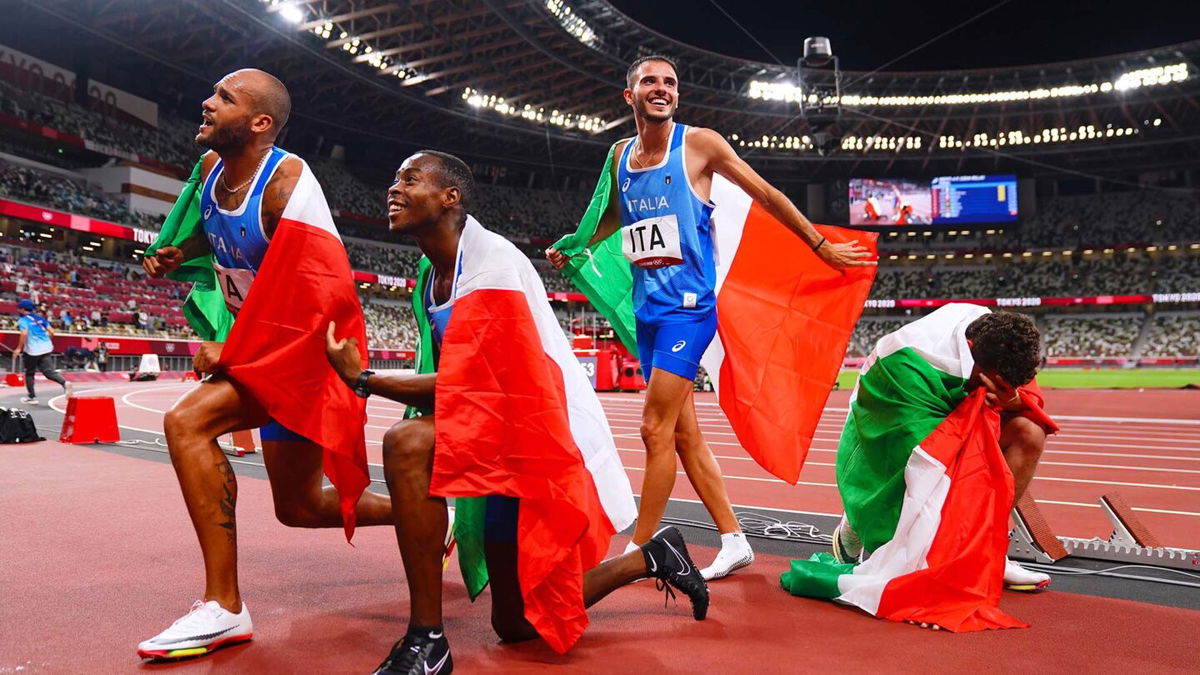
(35,344)
(101,353)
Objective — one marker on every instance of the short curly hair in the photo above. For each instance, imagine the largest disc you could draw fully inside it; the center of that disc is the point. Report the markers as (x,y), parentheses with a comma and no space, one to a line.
(1006,343)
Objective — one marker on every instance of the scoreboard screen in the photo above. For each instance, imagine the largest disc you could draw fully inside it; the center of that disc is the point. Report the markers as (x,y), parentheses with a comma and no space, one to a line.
(944,200)
(958,200)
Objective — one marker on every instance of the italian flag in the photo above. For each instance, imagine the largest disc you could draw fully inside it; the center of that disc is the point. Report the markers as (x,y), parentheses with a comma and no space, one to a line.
(784,317)
(923,483)
(516,415)
(275,351)
(204,308)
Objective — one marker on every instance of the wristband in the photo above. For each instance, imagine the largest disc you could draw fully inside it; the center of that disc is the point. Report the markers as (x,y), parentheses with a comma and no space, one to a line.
(819,244)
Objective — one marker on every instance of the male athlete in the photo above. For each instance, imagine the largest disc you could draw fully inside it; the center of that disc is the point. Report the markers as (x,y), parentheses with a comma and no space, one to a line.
(663,178)
(429,202)
(247,183)
(1005,347)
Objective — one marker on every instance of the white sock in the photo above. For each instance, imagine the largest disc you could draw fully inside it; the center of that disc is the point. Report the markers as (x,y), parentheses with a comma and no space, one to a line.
(734,540)
(735,553)
(631,547)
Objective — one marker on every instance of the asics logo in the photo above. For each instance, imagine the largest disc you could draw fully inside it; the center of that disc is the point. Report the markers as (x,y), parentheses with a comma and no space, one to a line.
(624,186)
(437,667)
(207,212)
(679,345)
(687,569)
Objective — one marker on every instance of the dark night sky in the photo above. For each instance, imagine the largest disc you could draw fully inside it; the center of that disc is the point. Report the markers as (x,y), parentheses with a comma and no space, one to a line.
(868,33)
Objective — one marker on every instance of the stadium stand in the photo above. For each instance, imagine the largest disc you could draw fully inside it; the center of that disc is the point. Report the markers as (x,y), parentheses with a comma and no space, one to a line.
(1173,335)
(29,184)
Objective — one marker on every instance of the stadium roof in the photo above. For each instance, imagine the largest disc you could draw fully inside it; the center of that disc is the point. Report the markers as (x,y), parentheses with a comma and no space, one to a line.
(538,81)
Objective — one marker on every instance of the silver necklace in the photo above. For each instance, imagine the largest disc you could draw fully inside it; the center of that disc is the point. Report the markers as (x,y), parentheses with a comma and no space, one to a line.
(638,150)
(243,186)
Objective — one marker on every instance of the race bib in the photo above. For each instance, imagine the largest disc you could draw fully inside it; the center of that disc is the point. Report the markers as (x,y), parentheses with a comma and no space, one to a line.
(653,242)
(235,285)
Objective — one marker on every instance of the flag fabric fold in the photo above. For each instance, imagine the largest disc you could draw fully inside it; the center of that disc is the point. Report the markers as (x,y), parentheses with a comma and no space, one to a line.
(204,307)
(276,348)
(516,416)
(924,485)
(784,317)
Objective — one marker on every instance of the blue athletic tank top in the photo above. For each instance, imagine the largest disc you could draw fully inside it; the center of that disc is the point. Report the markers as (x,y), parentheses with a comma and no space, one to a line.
(668,227)
(439,315)
(237,238)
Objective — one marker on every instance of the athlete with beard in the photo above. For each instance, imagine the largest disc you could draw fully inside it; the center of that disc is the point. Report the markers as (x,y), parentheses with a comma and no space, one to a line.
(247,183)
(674,278)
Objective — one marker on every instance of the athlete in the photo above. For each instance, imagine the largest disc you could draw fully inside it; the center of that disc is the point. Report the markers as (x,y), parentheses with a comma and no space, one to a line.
(1005,348)
(428,202)
(247,183)
(35,344)
(661,200)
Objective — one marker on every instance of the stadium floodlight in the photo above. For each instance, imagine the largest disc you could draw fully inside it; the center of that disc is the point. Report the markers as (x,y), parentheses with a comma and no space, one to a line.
(292,14)
(820,83)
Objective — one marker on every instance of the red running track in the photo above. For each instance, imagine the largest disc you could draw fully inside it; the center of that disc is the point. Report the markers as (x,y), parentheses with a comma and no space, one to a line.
(1145,445)
(98,554)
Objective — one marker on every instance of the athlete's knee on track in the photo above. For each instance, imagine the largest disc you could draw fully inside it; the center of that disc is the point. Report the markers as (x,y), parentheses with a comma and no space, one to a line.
(511,626)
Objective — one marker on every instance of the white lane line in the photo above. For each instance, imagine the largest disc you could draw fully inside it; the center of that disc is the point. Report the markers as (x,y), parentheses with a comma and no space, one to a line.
(747,458)
(1053,441)
(1136,508)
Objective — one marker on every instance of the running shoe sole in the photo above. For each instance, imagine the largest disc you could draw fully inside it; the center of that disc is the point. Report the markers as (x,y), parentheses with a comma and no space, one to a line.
(1027,588)
(171,654)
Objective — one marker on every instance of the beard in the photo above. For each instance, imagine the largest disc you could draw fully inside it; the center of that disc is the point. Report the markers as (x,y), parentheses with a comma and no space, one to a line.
(654,116)
(226,137)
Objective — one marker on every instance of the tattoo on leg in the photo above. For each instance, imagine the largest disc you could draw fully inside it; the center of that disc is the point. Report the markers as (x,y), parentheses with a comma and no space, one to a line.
(229,501)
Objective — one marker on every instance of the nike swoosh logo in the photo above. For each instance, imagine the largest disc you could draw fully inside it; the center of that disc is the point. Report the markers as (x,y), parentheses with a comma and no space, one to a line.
(687,569)
(194,637)
(653,565)
(437,667)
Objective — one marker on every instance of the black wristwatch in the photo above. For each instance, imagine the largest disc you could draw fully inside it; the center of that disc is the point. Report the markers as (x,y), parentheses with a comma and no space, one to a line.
(360,385)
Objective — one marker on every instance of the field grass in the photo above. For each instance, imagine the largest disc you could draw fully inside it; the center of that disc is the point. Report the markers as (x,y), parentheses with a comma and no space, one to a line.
(1080,378)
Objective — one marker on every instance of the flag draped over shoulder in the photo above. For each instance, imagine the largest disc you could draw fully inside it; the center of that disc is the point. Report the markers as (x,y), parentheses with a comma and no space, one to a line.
(516,415)
(784,317)
(204,307)
(924,485)
(276,349)
(601,271)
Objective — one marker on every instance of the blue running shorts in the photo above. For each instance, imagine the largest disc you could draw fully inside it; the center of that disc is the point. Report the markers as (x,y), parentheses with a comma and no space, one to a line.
(274,431)
(675,347)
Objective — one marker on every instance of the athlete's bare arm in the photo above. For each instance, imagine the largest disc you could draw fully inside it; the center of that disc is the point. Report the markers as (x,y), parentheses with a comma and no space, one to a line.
(718,156)
(609,223)
(414,390)
(278,192)
(168,258)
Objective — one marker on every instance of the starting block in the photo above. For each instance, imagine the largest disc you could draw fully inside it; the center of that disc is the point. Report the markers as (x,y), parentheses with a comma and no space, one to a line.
(242,444)
(90,419)
(189,376)
(1130,542)
(14,379)
(1032,539)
